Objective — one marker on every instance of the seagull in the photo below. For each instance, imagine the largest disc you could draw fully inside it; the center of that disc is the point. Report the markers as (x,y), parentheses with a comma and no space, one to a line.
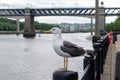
(65,48)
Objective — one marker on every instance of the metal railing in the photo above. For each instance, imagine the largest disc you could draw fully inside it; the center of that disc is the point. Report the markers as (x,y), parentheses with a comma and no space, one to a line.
(95,60)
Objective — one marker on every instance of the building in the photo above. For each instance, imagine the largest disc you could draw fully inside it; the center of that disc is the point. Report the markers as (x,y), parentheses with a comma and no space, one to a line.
(76,27)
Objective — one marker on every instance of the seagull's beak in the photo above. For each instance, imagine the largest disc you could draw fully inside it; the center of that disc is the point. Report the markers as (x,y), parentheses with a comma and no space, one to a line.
(48,31)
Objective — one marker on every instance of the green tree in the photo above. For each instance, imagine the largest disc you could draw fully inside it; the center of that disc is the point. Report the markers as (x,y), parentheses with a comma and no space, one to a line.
(10,25)
(114,25)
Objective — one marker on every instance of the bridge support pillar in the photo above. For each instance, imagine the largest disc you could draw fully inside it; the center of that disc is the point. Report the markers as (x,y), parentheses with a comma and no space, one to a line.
(102,18)
(29,29)
(91,26)
(18,26)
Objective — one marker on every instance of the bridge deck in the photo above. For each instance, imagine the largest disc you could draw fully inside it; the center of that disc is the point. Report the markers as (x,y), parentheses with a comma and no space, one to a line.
(109,67)
(59,12)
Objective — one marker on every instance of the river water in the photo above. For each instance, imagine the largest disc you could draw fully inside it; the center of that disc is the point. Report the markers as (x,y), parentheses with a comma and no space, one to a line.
(34,58)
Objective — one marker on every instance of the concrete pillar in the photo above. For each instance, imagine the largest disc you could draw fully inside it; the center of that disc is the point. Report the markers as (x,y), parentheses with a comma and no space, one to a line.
(17,26)
(29,29)
(91,26)
(97,28)
(102,18)
(100,23)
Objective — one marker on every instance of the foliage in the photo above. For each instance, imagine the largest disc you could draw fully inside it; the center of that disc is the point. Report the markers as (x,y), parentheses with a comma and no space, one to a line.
(7,24)
(44,26)
(114,25)
(10,25)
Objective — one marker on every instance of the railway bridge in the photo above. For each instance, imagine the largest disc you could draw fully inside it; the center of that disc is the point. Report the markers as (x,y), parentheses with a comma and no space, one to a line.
(30,13)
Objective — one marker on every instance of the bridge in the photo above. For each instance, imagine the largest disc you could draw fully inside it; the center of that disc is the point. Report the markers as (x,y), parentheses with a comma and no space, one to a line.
(59,12)
(30,13)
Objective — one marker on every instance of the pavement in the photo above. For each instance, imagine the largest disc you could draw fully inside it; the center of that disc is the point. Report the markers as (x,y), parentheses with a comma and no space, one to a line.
(109,67)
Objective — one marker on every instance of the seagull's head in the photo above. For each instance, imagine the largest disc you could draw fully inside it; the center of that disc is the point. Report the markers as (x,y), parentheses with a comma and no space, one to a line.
(56,30)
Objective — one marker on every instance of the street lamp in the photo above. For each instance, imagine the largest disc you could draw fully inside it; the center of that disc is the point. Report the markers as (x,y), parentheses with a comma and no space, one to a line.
(29,5)
(97,28)
(76,4)
(102,3)
(52,5)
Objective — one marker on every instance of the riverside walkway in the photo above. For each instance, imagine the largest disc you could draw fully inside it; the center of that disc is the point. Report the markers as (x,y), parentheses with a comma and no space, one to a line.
(109,67)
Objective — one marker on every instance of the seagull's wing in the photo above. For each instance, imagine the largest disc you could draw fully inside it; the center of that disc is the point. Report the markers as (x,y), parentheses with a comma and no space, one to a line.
(69,44)
(72,49)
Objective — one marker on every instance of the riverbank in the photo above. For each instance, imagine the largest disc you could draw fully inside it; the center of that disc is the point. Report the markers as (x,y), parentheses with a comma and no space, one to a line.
(9,32)
(21,32)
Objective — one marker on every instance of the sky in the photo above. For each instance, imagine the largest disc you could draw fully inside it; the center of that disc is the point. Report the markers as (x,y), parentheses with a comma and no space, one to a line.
(59,3)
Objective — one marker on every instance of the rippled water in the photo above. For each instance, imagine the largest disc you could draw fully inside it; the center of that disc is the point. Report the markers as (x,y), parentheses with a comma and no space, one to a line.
(35,59)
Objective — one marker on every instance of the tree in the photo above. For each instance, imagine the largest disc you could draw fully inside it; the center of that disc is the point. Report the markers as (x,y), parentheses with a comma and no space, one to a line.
(114,25)
(10,25)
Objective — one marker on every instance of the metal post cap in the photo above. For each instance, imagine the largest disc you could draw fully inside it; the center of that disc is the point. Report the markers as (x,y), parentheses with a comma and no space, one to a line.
(96,45)
(90,52)
(100,41)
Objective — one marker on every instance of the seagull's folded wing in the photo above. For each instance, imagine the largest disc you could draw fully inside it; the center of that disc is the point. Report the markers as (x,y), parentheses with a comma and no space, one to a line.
(72,49)
(69,44)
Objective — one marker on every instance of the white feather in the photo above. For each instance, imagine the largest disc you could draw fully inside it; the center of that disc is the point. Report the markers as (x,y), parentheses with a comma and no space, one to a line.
(57,42)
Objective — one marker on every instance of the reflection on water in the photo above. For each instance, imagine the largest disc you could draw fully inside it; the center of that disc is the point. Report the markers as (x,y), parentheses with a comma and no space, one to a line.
(33,59)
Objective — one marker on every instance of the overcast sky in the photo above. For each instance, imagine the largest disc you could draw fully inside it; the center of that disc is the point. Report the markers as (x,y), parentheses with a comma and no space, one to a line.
(59,3)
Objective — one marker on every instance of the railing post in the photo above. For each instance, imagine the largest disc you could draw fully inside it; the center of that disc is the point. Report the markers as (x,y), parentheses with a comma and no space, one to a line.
(98,61)
(114,38)
(104,52)
(101,54)
(106,45)
(65,75)
(89,59)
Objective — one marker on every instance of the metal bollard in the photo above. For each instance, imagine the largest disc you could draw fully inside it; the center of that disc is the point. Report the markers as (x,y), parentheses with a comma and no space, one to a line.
(101,54)
(114,39)
(89,62)
(117,66)
(98,61)
(95,38)
(65,75)
(106,46)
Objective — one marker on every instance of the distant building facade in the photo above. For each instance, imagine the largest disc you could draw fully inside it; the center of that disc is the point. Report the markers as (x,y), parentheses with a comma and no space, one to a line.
(76,27)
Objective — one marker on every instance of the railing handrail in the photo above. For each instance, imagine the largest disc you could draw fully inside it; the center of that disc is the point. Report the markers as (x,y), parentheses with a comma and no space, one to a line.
(85,71)
(104,37)
(100,52)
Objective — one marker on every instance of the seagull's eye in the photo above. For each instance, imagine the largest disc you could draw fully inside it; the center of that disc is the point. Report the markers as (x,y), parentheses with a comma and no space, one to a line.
(53,29)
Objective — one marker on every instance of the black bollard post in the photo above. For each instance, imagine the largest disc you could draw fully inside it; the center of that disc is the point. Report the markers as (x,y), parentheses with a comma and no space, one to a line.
(114,39)
(65,75)
(106,45)
(101,54)
(104,52)
(105,48)
(17,34)
(89,62)
(95,38)
(98,61)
